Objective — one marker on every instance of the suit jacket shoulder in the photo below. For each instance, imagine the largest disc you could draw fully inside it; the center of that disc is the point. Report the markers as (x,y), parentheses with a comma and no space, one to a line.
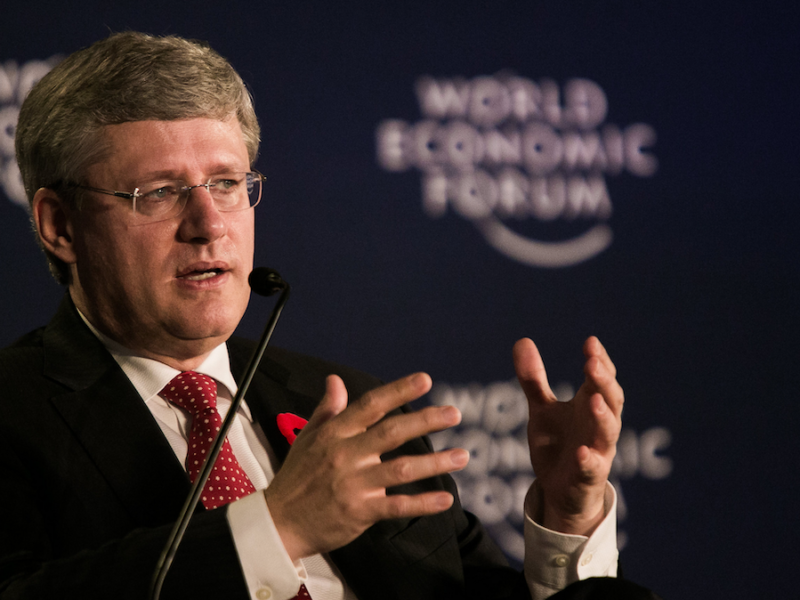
(88,485)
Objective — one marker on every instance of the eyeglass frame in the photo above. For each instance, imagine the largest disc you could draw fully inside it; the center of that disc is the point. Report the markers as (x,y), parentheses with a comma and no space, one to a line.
(183,192)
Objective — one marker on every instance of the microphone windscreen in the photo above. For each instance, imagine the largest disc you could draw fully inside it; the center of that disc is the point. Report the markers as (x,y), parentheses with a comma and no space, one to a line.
(265,281)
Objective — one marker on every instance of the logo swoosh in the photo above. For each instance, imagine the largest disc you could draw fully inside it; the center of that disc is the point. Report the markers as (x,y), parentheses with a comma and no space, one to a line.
(545,254)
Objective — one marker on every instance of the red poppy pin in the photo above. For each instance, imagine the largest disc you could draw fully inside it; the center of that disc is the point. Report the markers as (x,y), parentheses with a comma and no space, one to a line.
(290,425)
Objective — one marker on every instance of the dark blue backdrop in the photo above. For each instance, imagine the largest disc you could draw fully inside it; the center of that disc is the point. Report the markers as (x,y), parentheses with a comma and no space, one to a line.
(696,297)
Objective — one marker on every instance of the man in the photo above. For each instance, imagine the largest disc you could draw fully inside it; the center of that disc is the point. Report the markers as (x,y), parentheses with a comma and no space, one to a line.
(137,157)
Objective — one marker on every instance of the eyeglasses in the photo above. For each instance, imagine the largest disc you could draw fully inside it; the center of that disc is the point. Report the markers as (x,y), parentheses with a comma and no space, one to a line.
(164,199)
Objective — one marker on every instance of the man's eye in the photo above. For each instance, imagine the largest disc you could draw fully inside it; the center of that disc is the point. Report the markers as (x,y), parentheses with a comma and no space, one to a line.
(226,184)
(161,193)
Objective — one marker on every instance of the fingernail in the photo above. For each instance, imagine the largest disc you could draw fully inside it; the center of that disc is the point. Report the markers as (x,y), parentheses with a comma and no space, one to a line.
(444,502)
(421,380)
(459,457)
(452,414)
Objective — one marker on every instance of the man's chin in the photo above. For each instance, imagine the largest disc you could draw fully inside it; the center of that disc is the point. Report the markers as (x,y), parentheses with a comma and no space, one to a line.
(185,350)
(202,330)
(213,317)
(208,335)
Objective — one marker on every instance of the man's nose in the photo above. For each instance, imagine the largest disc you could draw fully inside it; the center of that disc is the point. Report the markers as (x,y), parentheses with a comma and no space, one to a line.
(201,220)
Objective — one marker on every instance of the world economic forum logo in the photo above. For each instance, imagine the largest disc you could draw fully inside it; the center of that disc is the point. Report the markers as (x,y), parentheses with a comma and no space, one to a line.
(15,82)
(503,150)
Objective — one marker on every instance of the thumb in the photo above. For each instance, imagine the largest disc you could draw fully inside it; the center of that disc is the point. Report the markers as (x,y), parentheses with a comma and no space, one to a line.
(333,402)
(530,371)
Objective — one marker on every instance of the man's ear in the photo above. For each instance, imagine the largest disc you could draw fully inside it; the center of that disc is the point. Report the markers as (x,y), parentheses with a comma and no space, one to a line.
(53,223)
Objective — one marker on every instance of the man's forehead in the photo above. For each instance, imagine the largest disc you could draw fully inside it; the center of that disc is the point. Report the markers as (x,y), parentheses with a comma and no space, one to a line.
(168,148)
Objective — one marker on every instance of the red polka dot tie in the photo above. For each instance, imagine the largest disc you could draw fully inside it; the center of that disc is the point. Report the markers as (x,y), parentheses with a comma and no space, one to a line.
(197,394)
(302,593)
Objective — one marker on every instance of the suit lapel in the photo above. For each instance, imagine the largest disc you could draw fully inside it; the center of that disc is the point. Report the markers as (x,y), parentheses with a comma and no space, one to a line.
(111,423)
(271,393)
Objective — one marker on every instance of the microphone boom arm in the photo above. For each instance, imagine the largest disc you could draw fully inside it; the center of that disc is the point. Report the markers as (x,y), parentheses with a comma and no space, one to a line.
(273,284)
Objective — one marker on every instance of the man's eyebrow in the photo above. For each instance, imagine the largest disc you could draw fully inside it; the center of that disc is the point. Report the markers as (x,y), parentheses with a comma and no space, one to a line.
(171,175)
(157,175)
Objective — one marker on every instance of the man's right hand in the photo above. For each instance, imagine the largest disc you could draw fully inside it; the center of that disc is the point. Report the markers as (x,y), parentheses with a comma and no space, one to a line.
(332,486)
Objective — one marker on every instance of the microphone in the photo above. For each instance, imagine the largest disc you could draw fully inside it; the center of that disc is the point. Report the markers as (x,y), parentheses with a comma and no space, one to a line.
(265,282)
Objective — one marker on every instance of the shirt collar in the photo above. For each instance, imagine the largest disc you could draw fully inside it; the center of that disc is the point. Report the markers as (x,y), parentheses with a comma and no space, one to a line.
(149,376)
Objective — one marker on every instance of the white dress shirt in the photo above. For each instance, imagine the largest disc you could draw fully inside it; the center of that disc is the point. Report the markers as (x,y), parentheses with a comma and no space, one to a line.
(552,560)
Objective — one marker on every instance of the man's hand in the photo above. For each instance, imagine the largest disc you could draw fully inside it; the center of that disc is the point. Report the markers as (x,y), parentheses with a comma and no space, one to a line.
(572,443)
(332,485)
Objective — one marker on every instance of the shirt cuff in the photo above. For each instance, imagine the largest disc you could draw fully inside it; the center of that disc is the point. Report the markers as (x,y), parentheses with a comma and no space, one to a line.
(267,568)
(553,560)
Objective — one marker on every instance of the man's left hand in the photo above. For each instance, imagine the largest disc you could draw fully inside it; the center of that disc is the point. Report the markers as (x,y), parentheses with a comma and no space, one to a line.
(572,444)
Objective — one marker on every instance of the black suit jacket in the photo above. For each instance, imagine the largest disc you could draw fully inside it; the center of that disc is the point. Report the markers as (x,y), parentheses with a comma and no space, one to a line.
(89,487)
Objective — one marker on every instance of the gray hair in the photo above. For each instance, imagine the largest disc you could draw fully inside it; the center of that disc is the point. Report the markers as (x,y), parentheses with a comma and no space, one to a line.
(126,77)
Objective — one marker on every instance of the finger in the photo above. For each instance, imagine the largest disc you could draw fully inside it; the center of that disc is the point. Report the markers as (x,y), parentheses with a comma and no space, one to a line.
(592,347)
(531,373)
(375,404)
(333,403)
(397,430)
(401,506)
(600,379)
(406,469)
(607,425)
(591,468)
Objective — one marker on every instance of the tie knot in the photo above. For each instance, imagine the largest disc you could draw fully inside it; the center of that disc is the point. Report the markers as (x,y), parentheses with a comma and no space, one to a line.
(192,391)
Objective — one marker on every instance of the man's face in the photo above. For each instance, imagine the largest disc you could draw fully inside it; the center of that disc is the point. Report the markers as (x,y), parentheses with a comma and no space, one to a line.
(170,290)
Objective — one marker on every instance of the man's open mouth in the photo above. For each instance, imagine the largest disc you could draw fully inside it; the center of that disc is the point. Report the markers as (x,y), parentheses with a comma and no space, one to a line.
(201,275)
